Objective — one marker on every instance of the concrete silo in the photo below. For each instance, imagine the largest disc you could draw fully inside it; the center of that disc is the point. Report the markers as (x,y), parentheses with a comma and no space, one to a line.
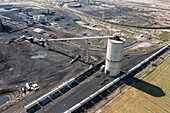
(114,56)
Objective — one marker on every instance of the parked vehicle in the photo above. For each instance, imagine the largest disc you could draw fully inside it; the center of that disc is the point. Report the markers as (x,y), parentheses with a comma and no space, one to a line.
(72,61)
(75,59)
(23,89)
(102,68)
(29,86)
(35,86)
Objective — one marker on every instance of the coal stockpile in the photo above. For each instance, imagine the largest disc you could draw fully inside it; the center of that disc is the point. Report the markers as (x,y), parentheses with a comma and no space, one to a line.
(59,18)
(4,28)
(64,18)
(4,64)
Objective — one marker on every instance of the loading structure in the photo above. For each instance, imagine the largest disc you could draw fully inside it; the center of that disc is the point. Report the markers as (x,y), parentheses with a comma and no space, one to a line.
(114,56)
(115,49)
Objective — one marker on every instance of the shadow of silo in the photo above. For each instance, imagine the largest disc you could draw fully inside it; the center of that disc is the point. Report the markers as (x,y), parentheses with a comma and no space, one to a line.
(146,87)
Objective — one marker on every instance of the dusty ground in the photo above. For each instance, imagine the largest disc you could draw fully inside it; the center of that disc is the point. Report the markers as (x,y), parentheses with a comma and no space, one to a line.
(19,65)
(20,62)
(129,13)
(160,3)
(142,45)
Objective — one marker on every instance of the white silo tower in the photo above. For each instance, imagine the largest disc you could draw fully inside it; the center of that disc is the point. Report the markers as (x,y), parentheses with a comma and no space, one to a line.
(114,56)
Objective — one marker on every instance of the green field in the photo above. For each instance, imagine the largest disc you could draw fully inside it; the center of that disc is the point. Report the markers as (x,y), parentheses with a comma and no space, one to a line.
(165,36)
(94,42)
(141,49)
(149,95)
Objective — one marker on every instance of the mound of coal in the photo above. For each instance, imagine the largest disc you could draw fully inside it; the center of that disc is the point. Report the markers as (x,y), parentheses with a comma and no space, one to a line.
(59,18)
(4,64)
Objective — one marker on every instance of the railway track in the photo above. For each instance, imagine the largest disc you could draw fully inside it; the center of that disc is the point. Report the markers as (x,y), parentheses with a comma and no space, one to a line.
(139,75)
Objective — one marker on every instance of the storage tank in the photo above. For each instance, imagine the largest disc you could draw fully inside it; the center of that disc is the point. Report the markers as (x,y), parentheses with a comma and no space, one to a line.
(114,56)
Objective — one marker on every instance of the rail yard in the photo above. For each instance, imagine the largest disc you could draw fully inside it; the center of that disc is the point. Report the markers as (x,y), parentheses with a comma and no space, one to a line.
(72,57)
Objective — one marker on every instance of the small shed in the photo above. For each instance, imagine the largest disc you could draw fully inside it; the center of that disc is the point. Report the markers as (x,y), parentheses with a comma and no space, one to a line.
(38,30)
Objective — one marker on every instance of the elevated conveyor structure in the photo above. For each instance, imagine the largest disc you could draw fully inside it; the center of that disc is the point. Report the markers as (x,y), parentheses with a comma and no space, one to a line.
(114,51)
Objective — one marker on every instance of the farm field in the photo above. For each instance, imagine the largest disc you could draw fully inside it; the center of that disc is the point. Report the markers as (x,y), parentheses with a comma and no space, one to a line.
(137,101)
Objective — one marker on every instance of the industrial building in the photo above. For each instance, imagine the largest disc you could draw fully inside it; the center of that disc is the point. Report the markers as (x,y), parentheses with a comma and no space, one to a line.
(38,30)
(40,18)
(75,5)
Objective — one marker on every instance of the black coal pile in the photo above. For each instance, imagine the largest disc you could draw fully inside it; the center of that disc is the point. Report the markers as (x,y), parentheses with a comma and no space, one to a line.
(5,64)
(59,18)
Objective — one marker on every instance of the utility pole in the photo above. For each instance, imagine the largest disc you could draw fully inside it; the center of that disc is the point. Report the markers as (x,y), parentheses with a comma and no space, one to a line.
(86,50)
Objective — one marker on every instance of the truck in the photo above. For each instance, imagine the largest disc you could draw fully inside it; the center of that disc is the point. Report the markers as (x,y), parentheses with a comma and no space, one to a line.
(35,86)
(102,68)
(75,59)
(29,86)
(23,89)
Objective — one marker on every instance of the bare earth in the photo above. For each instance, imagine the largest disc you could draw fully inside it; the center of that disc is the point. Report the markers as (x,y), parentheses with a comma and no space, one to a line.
(159,3)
